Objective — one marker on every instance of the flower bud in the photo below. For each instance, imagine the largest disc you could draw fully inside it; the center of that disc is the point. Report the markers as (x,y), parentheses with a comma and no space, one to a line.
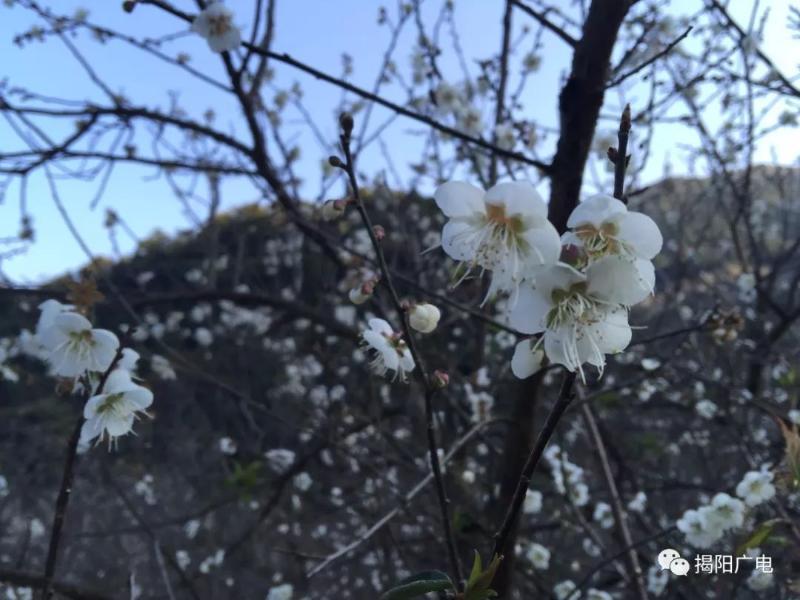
(346,123)
(357,295)
(379,232)
(424,317)
(335,161)
(440,379)
(333,209)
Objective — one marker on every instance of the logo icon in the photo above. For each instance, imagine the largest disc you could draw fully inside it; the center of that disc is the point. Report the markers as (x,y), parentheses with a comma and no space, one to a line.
(671,560)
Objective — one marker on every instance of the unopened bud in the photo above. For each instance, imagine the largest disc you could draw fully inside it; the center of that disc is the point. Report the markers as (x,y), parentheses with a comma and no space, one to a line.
(379,232)
(424,317)
(440,379)
(128,6)
(357,295)
(335,161)
(346,123)
(612,154)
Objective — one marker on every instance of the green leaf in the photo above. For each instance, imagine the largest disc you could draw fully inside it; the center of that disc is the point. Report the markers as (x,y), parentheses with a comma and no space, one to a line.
(477,569)
(419,584)
(758,537)
(479,581)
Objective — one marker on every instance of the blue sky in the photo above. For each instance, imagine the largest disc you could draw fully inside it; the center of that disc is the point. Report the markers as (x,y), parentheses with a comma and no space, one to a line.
(314,31)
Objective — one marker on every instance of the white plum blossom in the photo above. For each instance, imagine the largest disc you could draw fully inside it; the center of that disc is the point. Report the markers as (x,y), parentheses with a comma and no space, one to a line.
(794,416)
(538,555)
(533,502)
(50,309)
(582,317)
(602,225)
(390,352)
(227,446)
(694,525)
(113,412)
(424,317)
(74,347)
(638,502)
(724,512)
(506,136)
(759,580)
(280,459)
(215,24)
(284,591)
(756,487)
(706,409)
(503,230)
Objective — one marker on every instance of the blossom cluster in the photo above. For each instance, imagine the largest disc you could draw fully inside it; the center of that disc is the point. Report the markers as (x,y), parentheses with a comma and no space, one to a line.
(93,361)
(575,290)
(706,525)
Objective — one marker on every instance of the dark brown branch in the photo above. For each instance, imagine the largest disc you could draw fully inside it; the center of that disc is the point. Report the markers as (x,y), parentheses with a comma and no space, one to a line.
(397,108)
(651,60)
(541,16)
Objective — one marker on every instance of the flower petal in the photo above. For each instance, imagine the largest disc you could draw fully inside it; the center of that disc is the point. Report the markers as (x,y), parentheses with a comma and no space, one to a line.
(620,280)
(596,210)
(530,310)
(380,326)
(519,198)
(525,361)
(459,199)
(640,234)
(544,245)
(460,240)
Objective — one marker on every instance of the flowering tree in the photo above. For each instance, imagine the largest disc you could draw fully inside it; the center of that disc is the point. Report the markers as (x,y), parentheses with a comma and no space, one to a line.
(486,394)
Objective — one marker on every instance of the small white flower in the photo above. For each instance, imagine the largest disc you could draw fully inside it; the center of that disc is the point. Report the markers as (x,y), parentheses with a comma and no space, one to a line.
(759,581)
(603,515)
(756,487)
(215,24)
(112,412)
(227,446)
(506,136)
(706,409)
(794,416)
(694,525)
(504,230)
(725,512)
(303,481)
(448,98)
(50,309)
(538,555)
(424,317)
(203,336)
(638,502)
(281,592)
(280,459)
(3,487)
(390,352)
(533,502)
(162,367)
(650,364)
(75,347)
(564,589)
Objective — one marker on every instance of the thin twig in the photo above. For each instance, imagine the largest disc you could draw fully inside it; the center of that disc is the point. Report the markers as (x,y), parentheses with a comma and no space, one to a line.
(421,371)
(541,16)
(651,60)
(616,503)
(65,491)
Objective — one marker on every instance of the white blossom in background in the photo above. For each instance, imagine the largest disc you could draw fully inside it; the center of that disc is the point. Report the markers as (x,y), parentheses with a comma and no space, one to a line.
(112,413)
(389,351)
(758,581)
(563,589)
(227,446)
(657,580)
(280,459)
(706,409)
(506,136)
(3,486)
(284,591)
(724,512)
(424,317)
(74,347)
(638,502)
(603,515)
(794,416)
(215,24)
(533,502)
(162,367)
(756,487)
(538,555)
(503,230)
